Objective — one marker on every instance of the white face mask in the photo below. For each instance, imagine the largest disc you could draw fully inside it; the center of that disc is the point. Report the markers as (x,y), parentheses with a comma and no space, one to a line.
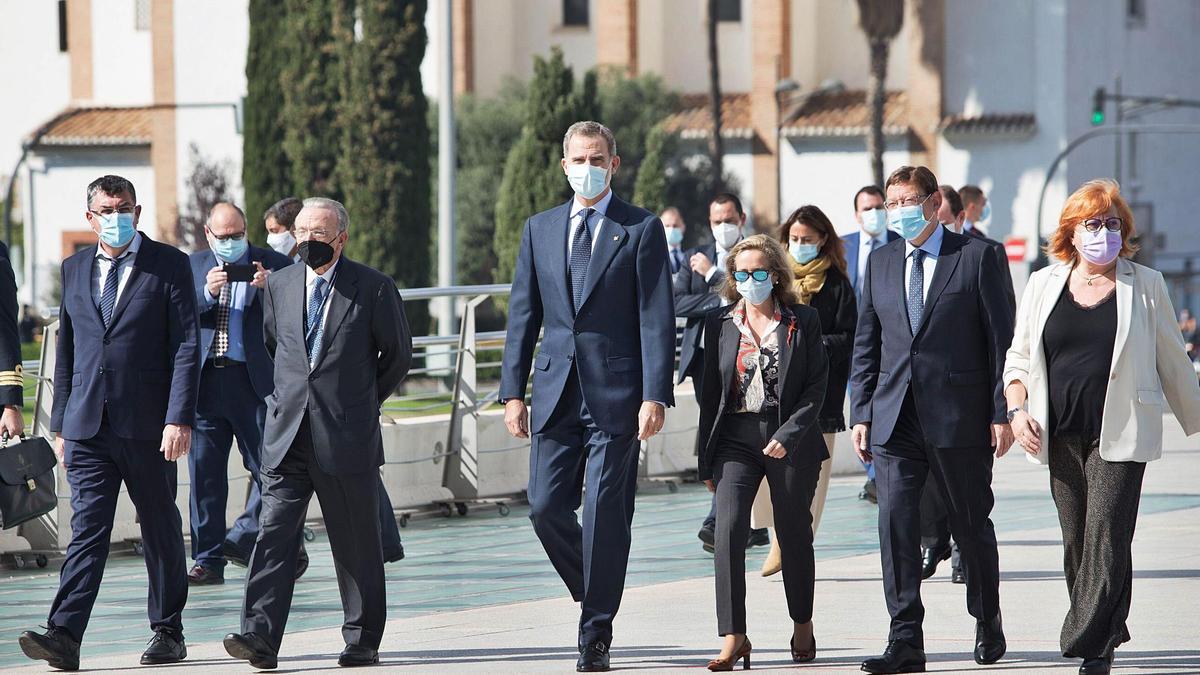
(282,242)
(874,221)
(586,180)
(727,234)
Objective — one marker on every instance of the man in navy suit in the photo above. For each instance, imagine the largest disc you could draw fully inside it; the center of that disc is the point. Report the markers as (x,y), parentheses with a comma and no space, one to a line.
(234,383)
(592,272)
(927,398)
(125,381)
(872,234)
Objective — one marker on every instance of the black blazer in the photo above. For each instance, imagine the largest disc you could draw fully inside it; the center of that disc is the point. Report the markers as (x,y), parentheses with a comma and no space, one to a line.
(694,298)
(955,361)
(803,371)
(365,353)
(11,389)
(838,311)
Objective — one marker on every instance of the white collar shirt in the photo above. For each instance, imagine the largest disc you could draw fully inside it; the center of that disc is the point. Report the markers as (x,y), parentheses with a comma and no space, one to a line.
(932,247)
(103,263)
(866,244)
(600,208)
(310,279)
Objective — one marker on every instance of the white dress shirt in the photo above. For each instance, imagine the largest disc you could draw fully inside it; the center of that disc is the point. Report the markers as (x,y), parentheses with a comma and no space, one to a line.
(865,246)
(932,248)
(719,265)
(102,264)
(600,207)
(310,279)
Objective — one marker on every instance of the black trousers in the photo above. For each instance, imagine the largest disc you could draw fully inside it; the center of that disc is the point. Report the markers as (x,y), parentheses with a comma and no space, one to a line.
(349,505)
(1097,504)
(935,523)
(963,476)
(739,466)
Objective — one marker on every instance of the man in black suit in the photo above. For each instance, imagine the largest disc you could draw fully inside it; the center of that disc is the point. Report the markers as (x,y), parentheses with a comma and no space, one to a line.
(927,398)
(341,344)
(976,210)
(125,378)
(236,379)
(12,394)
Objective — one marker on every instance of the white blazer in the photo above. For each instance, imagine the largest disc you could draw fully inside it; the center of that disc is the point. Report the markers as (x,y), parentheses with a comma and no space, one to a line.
(1149,369)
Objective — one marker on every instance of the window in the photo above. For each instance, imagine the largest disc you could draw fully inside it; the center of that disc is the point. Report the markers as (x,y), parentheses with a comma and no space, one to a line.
(575,13)
(62,25)
(141,14)
(729,10)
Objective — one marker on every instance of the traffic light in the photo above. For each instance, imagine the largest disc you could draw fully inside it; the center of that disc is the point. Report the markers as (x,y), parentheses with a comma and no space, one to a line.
(1098,107)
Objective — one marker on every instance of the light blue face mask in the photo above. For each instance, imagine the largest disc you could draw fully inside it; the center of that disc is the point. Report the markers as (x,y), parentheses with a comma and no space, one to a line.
(755,291)
(803,253)
(228,250)
(986,213)
(874,221)
(674,236)
(116,229)
(586,180)
(907,221)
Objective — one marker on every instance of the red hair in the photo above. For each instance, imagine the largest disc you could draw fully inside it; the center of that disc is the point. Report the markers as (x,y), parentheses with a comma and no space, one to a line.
(1093,199)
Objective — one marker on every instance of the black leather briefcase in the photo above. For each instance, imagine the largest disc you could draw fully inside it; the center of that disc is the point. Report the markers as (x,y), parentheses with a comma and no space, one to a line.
(26,480)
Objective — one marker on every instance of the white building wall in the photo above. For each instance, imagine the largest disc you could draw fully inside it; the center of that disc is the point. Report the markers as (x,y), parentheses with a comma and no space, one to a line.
(35,77)
(827,173)
(121,55)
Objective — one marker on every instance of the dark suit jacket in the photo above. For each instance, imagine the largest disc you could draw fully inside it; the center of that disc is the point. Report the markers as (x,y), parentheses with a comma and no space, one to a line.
(954,363)
(694,298)
(803,372)
(258,361)
(145,367)
(11,391)
(838,311)
(1002,260)
(852,241)
(365,353)
(622,342)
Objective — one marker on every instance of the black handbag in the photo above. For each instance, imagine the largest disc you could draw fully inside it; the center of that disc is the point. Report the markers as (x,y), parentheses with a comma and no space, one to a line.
(26,480)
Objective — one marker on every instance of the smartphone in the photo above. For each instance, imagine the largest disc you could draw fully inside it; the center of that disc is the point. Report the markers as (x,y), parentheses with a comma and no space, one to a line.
(239,272)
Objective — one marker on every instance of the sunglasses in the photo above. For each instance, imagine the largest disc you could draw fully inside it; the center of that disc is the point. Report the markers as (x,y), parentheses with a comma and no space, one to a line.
(759,275)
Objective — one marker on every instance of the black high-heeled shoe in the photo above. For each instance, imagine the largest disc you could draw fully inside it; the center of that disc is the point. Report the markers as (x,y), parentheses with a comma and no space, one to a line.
(804,656)
(743,653)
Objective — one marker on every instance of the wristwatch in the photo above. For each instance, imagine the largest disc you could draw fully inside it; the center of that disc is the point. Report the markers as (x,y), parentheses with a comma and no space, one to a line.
(1013,411)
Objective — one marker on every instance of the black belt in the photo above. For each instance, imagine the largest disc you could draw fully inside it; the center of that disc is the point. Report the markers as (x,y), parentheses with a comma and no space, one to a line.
(224,362)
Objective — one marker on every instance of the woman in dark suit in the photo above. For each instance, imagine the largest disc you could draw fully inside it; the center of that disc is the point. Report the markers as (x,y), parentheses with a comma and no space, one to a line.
(764,380)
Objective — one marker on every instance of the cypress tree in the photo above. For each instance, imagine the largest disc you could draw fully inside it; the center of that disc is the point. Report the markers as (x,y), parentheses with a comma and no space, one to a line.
(650,190)
(265,174)
(533,178)
(385,162)
(309,82)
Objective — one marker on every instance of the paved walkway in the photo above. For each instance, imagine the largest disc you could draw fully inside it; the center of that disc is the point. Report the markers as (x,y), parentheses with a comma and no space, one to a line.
(476,593)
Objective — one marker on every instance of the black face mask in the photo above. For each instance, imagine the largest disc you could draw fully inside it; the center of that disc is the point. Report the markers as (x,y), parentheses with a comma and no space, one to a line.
(315,253)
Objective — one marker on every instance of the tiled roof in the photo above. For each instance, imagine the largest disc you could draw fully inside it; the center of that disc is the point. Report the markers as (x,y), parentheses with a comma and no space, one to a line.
(990,123)
(100,126)
(841,113)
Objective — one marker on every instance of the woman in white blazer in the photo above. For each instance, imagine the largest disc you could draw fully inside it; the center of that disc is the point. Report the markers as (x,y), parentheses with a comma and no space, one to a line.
(1095,359)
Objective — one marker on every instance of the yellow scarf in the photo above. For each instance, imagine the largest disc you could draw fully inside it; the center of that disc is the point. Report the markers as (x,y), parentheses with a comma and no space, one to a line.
(810,277)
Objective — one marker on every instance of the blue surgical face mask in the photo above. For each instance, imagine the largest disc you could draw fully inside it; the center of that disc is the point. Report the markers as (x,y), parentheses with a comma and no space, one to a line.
(116,229)
(986,213)
(874,221)
(755,291)
(803,253)
(228,250)
(907,221)
(586,180)
(674,236)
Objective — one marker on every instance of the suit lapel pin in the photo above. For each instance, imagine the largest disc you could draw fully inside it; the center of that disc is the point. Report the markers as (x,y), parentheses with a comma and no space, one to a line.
(616,237)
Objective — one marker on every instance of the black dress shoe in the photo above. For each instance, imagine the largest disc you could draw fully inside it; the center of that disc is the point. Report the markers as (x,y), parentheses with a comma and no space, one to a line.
(1097,666)
(707,536)
(165,647)
(593,658)
(957,575)
(55,647)
(357,655)
(899,657)
(758,537)
(251,647)
(869,493)
(234,556)
(930,559)
(302,563)
(394,556)
(200,575)
(989,641)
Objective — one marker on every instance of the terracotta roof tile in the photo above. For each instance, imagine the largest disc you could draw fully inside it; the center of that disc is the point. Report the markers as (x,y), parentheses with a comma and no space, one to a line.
(694,121)
(844,113)
(100,126)
(990,124)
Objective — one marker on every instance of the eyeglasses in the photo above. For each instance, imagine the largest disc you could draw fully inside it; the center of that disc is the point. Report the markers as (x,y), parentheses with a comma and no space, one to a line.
(236,236)
(1111,223)
(759,275)
(915,200)
(107,212)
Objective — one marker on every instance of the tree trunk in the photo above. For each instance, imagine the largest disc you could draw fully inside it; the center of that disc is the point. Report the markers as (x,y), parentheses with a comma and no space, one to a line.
(875,99)
(716,147)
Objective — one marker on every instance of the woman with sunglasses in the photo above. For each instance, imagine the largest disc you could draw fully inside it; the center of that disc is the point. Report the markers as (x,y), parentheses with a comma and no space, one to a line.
(1095,359)
(764,380)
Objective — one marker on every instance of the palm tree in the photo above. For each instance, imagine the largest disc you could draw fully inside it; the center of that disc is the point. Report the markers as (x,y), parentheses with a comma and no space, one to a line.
(716,149)
(880,21)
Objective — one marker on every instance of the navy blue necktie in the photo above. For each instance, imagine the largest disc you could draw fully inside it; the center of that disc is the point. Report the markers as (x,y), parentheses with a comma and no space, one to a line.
(916,291)
(313,321)
(581,256)
(108,296)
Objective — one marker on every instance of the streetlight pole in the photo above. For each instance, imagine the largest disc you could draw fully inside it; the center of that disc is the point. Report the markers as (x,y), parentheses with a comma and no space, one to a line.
(446,166)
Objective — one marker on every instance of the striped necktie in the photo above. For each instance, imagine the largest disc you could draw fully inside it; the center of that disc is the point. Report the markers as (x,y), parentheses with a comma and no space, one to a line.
(313,322)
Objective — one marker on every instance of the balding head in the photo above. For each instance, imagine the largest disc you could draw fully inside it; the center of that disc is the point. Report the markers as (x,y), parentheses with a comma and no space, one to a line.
(225,219)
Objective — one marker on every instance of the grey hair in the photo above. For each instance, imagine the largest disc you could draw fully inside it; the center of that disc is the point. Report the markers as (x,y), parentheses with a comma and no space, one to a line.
(343,218)
(589,128)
